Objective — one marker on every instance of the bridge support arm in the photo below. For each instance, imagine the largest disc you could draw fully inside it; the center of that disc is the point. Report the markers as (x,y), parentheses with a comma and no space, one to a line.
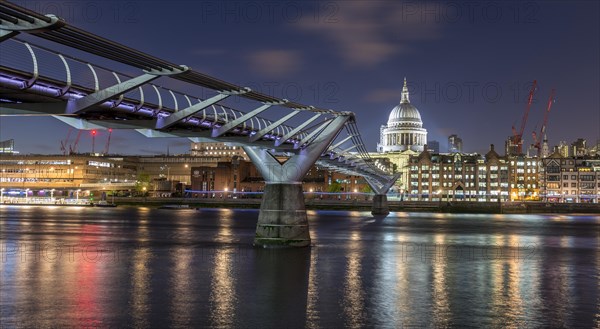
(174,118)
(76,106)
(282,221)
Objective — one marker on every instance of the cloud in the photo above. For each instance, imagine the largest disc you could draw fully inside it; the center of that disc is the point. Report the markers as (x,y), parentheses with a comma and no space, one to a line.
(366,33)
(275,63)
(384,95)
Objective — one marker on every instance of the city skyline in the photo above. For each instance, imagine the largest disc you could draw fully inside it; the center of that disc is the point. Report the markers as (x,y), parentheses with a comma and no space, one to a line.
(468,70)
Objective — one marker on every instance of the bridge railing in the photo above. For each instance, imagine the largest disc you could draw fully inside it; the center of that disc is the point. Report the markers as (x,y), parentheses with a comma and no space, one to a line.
(78,78)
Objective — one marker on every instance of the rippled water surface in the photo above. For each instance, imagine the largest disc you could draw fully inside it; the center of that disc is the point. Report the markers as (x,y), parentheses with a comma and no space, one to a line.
(130,267)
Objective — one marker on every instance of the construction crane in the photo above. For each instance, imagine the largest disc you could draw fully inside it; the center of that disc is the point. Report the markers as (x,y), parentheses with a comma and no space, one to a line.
(536,141)
(65,143)
(517,138)
(107,142)
(73,148)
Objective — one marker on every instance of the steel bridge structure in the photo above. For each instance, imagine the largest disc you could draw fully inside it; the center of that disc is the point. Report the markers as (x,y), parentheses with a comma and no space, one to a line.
(39,80)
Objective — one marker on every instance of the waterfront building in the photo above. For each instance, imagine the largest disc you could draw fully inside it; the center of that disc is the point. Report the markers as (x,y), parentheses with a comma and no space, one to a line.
(71,176)
(66,175)
(217,149)
(570,179)
(524,177)
(8,147)
(458,177)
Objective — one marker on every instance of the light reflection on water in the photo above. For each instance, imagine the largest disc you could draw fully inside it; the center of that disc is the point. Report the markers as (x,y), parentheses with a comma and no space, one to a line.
(145,267)
(353,297)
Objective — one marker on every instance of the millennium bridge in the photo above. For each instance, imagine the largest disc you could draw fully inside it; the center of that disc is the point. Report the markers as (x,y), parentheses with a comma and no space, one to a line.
(50,68)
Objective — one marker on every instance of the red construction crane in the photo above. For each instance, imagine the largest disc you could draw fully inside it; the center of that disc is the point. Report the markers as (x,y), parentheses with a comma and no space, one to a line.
(536,141)
(107,141)
(73,148)
(517,138)
(63,144)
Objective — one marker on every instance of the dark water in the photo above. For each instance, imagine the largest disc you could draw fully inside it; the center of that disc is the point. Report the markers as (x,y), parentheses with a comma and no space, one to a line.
(127,267)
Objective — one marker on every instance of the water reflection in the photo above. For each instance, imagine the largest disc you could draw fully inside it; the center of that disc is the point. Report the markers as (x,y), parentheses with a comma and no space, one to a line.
(557,285)
(354,295)
(223,295)
(441,307)
(88,278)
(140,274)
(198,269)
(278,289)
(182,281)
(312,310)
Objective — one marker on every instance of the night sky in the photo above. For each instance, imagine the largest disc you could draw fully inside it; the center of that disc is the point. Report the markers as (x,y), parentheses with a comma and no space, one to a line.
(469,65)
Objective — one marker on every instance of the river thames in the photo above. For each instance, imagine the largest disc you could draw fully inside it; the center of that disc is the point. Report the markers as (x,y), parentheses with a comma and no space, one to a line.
(141,267)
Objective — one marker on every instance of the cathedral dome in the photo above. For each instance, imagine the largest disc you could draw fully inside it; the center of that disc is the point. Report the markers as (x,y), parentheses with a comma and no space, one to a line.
(404,130)
(405,114)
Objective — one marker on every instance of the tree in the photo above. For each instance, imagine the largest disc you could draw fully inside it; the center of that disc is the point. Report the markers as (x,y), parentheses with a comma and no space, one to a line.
(334,187)
(142,183)
(367,189)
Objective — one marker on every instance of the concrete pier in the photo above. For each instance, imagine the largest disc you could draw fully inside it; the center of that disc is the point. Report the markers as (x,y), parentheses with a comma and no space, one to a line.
(380,205)
(282,221)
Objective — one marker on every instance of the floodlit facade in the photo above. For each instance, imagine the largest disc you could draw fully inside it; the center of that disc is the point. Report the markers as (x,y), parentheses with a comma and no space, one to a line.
(570,179)
(404,129)
(524,178)
(217,149)
(64,175)
(402,137)
(458,177)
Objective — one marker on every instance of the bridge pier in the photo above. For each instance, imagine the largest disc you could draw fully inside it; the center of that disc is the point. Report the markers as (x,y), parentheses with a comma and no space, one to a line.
(380,205)
(380,201)
(282,221)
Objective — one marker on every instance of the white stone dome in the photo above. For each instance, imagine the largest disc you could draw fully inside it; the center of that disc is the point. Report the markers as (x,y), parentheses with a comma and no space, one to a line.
(405,114)
(404,129)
